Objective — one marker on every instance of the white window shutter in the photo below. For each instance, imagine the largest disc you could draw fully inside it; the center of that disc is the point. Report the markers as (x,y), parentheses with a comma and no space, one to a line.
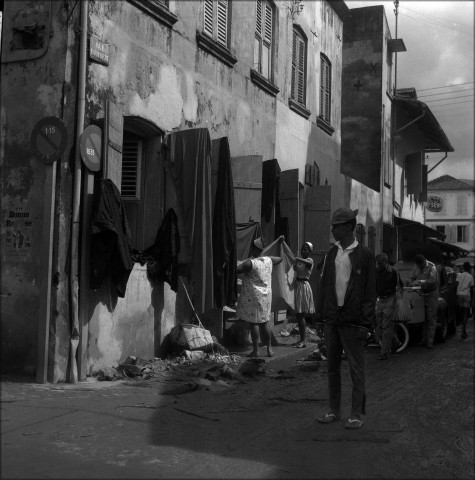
(301,71)
(259,18)
(222,30)
(268,24)
(208,17)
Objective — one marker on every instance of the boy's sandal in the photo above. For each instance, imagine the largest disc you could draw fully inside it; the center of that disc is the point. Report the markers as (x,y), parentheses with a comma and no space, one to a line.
(353,423)
(300,345)
(328,418)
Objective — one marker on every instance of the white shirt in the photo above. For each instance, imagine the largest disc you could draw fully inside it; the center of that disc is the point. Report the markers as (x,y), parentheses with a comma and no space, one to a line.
(465,282)
(343,270)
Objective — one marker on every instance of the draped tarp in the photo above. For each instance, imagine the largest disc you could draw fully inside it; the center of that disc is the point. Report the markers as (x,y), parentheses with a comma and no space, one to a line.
(224,228)
(246,233)
(189,164)
(282,275)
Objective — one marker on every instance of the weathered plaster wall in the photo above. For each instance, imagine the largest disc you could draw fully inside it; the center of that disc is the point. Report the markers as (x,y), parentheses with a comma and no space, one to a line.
(31,90)
(161,75)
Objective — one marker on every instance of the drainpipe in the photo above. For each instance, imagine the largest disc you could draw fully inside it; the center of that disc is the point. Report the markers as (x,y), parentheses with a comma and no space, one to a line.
(74,278)
(438,163)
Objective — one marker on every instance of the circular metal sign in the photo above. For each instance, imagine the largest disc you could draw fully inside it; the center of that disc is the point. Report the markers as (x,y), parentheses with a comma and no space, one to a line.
(49,139)
(91,147)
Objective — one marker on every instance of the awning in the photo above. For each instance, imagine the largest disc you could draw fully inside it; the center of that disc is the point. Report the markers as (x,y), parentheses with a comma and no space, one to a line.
(435,138)
(449,247)
(427,231)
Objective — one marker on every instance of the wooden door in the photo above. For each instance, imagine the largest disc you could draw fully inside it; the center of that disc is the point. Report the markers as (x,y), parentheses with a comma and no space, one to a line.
(289,206)
(247,180)
(317,227)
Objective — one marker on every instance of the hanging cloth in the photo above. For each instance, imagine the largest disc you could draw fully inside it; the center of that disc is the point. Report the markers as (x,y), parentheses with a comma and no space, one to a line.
(189,164)
(164,252)
(111,240)
(282,276)
(224,228)
(246,233)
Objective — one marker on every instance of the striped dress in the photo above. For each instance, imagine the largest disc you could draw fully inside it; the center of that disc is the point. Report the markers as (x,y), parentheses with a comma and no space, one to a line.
(302,290)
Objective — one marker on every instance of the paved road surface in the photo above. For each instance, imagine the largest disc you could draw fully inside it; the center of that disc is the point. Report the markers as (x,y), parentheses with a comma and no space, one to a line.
(420,424)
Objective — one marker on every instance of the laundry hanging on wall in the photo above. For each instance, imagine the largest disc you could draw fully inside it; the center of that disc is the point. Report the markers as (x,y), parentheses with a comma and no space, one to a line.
(164,252)
(111,240)
(246,233)
(224,228)
(188,161)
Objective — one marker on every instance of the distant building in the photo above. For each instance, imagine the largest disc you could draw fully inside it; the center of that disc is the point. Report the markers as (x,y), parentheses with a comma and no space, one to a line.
(450,209)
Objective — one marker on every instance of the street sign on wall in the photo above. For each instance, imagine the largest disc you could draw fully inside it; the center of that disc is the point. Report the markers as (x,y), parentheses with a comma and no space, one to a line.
(90,147)
(49,138)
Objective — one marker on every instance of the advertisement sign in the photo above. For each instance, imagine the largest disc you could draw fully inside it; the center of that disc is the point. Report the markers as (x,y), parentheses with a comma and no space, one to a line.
(434,203)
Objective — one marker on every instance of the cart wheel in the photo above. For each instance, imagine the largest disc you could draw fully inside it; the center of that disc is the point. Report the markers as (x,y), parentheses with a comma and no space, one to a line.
(402,335)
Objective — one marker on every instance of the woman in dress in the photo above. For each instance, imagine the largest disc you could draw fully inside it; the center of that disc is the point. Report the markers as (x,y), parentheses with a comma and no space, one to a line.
(255,300)
(303,291)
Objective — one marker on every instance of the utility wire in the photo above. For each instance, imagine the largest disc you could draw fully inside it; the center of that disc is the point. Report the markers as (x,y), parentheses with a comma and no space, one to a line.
(444,93)
(437,18)
(439,26)
(446,86)
(447,98)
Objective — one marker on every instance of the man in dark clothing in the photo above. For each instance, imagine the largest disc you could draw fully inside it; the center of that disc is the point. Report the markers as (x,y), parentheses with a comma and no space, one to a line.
(345,304)
(387,282)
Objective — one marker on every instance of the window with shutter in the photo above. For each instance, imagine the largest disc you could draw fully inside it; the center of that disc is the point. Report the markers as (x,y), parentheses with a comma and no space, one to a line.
(263,38)
(299,55)
(461,233)
(325,89)
(216,20)
(461,205)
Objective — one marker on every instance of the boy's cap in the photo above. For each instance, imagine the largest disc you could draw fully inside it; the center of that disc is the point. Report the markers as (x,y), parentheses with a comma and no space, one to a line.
(343,215)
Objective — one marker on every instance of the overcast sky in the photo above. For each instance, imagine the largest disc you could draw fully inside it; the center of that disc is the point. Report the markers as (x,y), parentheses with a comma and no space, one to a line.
(440,49)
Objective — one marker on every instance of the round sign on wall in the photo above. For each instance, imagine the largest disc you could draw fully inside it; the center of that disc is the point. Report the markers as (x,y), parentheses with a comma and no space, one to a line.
(49,138)
(91,147)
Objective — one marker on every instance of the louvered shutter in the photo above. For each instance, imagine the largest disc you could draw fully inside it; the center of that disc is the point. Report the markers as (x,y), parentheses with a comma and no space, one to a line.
(208,19)
(293,89)
(301,71)
(327,92)
(268,24)
(259,18)
(222,29)
(131,165)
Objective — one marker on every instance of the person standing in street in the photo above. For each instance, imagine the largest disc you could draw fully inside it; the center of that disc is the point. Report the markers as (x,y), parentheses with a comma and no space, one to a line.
(255,300)
(465,285)
(424,275)
(346,305)
(303,291)
(387,284)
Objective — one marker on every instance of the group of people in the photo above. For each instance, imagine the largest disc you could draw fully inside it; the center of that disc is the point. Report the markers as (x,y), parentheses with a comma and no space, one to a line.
(356,292)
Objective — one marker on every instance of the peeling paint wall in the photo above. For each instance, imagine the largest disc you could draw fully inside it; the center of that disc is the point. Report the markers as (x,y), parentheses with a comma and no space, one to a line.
(34,86)
(161,75)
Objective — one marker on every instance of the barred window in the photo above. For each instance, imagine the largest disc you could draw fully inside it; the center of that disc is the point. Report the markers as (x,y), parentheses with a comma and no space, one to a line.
(131,166)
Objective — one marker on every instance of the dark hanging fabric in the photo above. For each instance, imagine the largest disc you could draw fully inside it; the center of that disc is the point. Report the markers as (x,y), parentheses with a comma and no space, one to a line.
(270,173)
(189,164)
(164,252)
(246,233)
(111,240)
(224,229)
(282,228)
